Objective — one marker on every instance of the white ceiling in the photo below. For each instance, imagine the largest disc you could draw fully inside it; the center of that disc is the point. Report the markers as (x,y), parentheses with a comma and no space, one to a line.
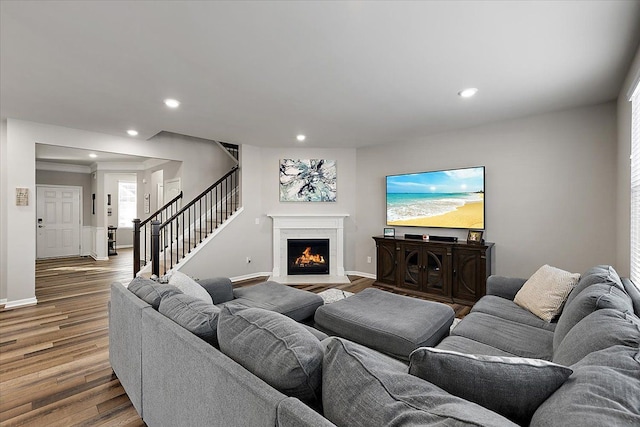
(347,74)
(76,156)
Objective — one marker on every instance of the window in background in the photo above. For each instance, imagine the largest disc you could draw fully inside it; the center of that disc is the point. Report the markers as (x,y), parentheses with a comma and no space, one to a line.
(127,203)
(635,186)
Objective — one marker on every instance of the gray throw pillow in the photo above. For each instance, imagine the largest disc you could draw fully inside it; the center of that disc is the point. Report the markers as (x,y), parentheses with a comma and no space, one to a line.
(511,386)
(193,314)
(274,348)
(599,330)
(151,292)
(604,390)
(595,297)
(220,288)
(361,387)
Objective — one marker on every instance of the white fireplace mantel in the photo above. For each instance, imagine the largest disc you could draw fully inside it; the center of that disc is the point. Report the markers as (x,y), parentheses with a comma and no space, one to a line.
(311,226)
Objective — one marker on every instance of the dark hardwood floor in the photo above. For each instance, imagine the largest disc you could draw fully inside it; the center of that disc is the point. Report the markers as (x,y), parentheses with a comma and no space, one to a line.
(54,356)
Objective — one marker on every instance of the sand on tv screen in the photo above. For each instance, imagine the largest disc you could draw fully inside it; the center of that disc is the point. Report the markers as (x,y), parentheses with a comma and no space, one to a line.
(448,199)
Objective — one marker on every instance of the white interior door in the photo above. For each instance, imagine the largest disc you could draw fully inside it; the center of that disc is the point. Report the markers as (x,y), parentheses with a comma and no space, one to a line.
(57,221)
(172,188)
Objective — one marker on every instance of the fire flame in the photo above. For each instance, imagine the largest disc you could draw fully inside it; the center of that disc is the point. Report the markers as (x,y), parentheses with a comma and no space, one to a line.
(308,258)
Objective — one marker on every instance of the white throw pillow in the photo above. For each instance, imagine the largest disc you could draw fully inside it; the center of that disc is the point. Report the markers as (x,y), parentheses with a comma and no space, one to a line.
(546,291)
(189,286)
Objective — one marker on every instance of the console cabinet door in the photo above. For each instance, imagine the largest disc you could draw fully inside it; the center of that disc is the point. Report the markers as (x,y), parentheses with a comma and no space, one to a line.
(411,270)
(469,274)
(387,261)
(435,267)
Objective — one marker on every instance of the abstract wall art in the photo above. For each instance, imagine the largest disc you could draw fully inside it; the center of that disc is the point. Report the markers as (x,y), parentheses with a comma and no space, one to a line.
(311,180)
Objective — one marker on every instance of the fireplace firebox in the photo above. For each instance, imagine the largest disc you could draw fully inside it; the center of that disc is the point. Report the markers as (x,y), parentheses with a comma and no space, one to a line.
(307,256)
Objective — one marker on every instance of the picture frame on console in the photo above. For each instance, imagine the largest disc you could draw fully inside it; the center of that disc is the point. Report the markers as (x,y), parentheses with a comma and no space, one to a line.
(389,232)
(475,236)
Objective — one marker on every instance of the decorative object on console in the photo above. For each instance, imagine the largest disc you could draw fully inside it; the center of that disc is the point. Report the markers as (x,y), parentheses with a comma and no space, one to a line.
(389,232)
(413,236)
(311,180)
(444,199)
(475,236)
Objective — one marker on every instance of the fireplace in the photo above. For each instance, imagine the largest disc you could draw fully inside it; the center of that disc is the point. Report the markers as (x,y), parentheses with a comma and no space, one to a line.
(307,256)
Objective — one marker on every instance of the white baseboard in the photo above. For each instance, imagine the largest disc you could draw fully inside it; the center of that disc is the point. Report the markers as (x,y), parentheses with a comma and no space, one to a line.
(3,301)
(20,303)
(123,246)
(97,258)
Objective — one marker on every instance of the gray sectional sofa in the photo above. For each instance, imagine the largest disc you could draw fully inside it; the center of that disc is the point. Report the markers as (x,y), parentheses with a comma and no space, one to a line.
(175,378)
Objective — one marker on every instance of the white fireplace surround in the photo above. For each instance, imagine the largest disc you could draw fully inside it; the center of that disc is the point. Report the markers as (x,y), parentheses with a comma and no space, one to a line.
(310,226)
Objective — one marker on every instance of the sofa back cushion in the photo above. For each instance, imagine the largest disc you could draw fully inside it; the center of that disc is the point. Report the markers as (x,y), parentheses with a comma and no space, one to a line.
(511,386)
(546,291)
(593,298)
(595,275)
(361,387)
(151,292)
(601,329)
(274,348)
(604,390)
(193,314)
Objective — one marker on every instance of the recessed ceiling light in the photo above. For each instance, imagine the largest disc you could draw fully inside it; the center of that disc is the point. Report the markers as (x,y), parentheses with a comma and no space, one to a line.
(468,93)
(172,103)
(93,155)
(301,137)
(132,132)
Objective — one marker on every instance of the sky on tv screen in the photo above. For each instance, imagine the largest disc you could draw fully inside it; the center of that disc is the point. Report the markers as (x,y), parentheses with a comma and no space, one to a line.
(469,180)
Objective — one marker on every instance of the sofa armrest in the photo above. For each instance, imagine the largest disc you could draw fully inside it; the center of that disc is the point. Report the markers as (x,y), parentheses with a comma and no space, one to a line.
(220,289)
(505,287)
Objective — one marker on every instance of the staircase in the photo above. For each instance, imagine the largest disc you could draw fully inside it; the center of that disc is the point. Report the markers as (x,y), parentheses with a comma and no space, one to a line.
(171,234)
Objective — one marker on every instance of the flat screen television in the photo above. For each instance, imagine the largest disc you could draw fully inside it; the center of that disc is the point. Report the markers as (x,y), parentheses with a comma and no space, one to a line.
(451,198)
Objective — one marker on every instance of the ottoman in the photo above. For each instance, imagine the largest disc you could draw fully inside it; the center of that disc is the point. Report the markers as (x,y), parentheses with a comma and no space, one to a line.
(294,303)
(390,323)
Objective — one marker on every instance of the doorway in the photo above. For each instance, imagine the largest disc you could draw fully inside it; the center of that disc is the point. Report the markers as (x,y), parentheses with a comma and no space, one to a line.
(58,213)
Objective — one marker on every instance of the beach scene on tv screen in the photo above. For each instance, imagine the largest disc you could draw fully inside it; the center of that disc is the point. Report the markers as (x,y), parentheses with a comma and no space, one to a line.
(451,199)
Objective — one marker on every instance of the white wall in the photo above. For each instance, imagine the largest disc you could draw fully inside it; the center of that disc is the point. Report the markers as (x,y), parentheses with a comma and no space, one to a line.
(226,256)
(623,232)
(4,202)
(550,187)
(203,163)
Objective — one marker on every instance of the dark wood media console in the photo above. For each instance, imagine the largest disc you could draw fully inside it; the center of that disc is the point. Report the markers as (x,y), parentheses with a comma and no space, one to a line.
(447,271)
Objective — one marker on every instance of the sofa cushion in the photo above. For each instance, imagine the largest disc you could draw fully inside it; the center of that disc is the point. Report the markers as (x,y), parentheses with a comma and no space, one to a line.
(511,386)
(273,347)
(507,309)
(294,303)
(189,286)
(598,274)
(594,298)
(512,337)
(151,292)
(546,291)
(361,388)
(219,288)
(599,330)
(193,314)
(604,390)
(469,346)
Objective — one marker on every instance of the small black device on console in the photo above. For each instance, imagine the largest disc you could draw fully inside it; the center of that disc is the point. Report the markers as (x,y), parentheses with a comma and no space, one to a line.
(413,236)
(442,239)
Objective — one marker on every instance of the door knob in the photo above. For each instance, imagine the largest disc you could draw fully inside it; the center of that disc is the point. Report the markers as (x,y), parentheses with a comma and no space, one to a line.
(40,226)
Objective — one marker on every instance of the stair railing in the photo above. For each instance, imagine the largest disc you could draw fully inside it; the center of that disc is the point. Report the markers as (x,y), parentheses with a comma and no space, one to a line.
(189,226)
(143,229)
